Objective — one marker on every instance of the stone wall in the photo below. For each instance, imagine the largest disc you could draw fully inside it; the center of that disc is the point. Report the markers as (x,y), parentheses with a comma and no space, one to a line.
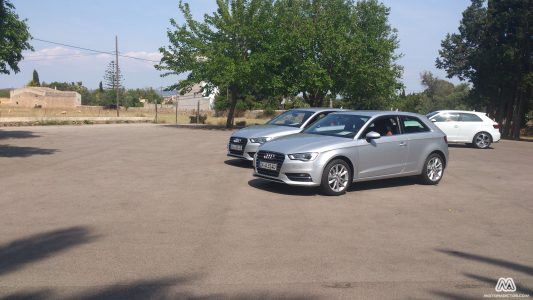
(44,97)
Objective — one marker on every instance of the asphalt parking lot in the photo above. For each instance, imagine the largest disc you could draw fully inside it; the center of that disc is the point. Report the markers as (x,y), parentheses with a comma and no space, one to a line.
(143,211)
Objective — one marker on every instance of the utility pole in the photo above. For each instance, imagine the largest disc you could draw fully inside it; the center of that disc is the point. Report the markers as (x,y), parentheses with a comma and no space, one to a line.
(161,95)
(177,98)
(198,113)
(116,71)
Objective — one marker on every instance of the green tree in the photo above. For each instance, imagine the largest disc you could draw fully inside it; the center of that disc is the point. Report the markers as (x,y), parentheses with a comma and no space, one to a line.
(132,97)
(100,87)
(331,48)
(35,79)
(14,38)
(113,80)
(372,74)
(221,51)
(492,50)
(438,94)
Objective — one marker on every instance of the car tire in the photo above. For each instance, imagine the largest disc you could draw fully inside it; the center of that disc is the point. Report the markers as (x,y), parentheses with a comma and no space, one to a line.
(433,169)
(336,178)
(482,140)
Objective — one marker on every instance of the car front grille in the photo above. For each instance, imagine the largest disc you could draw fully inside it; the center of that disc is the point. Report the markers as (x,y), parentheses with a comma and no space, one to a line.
(237,141)
(270,157)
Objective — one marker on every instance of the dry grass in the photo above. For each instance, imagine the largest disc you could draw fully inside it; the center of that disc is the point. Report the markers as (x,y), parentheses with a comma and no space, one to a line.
(167,116)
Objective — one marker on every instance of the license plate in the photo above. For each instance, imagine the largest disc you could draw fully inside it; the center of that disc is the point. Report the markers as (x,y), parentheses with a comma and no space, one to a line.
(268,166)
(235,147)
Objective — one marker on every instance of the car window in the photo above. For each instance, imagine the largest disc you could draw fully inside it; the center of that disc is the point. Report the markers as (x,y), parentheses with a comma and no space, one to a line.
(446,117)
(413,125)
(341,125)
(293,118)
(431,114)
(385,126)
(470,118)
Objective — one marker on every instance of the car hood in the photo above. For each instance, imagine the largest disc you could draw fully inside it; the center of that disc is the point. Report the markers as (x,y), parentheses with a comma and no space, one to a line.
(303,142)
(265,131)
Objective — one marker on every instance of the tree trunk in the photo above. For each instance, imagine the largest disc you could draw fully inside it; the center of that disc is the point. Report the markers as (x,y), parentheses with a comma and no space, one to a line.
(508,116)
(231,112)
(517,118)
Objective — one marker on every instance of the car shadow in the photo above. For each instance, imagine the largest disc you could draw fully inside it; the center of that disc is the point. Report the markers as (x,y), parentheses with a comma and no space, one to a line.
(284,189)
(465,146)
(201,127)
(240,163)
(281,188)
(383,183)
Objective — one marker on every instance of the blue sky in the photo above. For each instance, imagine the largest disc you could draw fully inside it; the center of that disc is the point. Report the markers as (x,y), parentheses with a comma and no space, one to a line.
(141,27)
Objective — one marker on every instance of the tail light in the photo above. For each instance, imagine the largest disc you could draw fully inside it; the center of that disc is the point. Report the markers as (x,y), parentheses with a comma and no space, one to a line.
(446,139)
(496,126)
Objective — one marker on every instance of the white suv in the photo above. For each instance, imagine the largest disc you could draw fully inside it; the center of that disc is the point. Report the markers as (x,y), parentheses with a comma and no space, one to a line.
(468,127)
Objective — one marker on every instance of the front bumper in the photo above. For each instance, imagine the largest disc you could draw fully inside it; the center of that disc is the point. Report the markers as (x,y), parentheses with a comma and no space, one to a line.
(292,172)
(248,153)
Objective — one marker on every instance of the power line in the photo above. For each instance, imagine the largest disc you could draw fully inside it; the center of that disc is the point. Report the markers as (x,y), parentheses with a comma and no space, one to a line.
(56,57)
(61,55)
(93,50)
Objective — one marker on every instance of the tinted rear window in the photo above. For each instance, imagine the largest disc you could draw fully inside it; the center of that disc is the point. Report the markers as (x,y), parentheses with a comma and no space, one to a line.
(413,125)
(470,118)
(446,117)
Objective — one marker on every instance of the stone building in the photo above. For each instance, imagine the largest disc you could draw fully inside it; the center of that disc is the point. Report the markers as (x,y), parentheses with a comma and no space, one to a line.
(43,97)
(190,100)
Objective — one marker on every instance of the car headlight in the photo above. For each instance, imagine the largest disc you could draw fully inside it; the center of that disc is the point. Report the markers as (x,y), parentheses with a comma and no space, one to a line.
(260,140)
(303,156)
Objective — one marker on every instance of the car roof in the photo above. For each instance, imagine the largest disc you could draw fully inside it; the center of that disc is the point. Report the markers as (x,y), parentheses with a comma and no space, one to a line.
(376,113)
(319,109)
(460,111)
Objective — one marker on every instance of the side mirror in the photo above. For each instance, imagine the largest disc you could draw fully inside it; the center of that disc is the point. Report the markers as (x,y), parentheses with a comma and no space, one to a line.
(372,135)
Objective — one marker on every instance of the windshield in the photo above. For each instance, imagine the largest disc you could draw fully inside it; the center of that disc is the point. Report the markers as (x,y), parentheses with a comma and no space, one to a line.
(293,118)
(341,125)
(431,114)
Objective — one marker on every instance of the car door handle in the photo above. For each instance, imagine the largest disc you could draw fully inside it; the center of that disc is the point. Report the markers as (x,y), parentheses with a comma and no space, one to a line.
(456,126)
(403,144)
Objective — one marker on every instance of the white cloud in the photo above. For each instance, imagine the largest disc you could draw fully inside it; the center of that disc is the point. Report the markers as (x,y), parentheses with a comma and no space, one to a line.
(66,64)
(155,56)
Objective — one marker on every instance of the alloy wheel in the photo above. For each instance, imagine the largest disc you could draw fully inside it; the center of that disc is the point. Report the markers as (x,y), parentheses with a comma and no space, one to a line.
(338,177)
(482,140)
(434,169)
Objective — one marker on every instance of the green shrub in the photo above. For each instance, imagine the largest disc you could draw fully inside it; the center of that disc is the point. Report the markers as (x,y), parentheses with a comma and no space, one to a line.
(202,119)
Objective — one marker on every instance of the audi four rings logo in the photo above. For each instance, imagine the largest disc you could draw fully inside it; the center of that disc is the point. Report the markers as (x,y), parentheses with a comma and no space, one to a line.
(237,140)
(268,156)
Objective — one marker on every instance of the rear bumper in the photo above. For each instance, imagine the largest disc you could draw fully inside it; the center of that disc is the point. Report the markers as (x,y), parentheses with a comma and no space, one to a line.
(496,136)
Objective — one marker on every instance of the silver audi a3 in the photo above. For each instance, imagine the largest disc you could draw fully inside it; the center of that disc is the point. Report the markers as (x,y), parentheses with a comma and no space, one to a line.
(244,143)
(347,147)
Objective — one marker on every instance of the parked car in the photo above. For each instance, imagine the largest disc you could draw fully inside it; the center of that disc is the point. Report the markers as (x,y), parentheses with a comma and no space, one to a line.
(244,143)
(469,127)
(348,147)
